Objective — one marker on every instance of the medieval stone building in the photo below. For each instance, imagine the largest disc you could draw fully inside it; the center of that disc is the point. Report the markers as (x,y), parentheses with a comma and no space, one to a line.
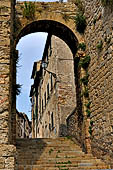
(23,125)
(53,93)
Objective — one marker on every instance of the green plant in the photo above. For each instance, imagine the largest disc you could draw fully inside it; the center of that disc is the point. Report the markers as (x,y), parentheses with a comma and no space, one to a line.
(69,162)
(84,80)
(80,22)
(99,45)
(88,112)
(18,89)
(86,93)
(90,130)
(88,104)
(50,151)
(69,137)
(84,63)
(82,46)
(65,162)
(91,122)
(29,10)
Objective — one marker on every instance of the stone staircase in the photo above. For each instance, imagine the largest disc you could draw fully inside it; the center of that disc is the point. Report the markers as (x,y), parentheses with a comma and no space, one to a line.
(54,154)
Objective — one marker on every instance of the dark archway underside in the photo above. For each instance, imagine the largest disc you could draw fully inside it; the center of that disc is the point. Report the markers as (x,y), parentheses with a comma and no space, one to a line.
(53,28)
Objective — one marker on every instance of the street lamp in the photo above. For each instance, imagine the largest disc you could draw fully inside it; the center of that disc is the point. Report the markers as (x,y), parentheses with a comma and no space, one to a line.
(44,66)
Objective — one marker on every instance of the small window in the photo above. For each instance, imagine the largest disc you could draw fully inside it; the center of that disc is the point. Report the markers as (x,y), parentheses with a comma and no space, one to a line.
(52,121)
(50,126)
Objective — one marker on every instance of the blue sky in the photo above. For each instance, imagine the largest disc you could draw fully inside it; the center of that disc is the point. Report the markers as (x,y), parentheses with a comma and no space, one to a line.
(30,50)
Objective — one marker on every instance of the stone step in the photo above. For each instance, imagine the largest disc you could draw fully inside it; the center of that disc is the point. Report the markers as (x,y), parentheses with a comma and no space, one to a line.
(55,156)
(58,161)
(44,142)
(50,146)
(30,167)
(59,154)
(48,166)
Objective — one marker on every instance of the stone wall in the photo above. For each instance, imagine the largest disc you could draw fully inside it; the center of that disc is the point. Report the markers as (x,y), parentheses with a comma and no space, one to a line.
(7,157)
(100,31)
(5,10)
(66,89)
(7,151)
(62,95)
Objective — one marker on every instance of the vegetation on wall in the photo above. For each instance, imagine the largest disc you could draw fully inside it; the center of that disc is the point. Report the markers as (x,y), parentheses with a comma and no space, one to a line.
(29,10)
(82,46)
(84,62)
(85,92)
(88,104)
(88,112)
(18,89)
(84,80)
(99,45)
(80,22)
(80,19)
(90,130)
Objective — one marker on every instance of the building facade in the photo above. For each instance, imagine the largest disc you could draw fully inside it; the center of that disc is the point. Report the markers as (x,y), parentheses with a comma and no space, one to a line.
(53,94)
(23,125)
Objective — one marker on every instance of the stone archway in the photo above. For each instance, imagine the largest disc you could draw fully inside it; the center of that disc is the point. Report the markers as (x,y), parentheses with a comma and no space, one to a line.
(12,24)
(53,23)
(20,26)
(63,32)
(54,28)
(52,19)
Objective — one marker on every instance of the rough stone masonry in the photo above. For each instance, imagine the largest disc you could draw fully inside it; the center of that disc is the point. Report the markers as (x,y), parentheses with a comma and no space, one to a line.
(99,30)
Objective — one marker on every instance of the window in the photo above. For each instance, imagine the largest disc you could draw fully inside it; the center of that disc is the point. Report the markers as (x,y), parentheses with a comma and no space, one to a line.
(36,111)
(52,121)
(50,126)
(38,130)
